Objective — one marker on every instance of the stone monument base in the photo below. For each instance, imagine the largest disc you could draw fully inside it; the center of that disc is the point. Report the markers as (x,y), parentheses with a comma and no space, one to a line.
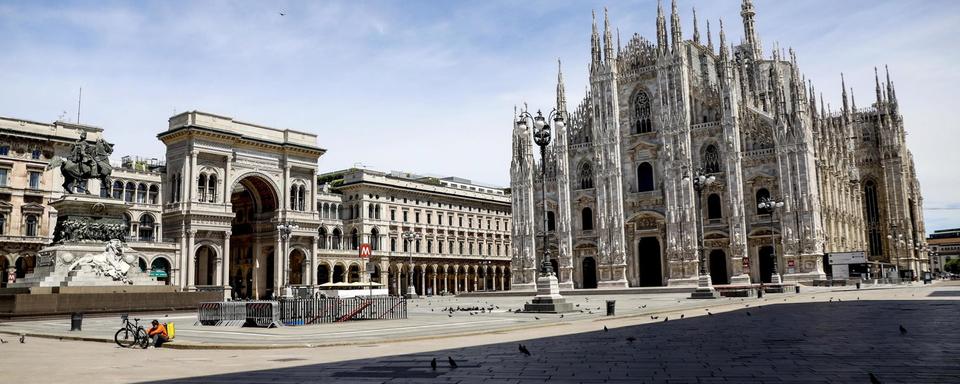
(548,299)
(705,289)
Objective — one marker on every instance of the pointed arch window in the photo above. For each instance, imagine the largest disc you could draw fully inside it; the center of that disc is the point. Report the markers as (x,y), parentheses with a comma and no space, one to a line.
(154,193)
(354,239)
(711,159)
(551,221)
(644,177)
(641,113)
(118,189)
(337,239)
(714,209)
(375,239)
(587,219)
(586,176)
(212,189)
(871,204)
(202,187)
(322,238)
(128,193)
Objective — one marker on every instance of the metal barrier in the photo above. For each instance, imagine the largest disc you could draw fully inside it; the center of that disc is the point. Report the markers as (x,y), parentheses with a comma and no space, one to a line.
(264,313)
(330,310)
(270,313)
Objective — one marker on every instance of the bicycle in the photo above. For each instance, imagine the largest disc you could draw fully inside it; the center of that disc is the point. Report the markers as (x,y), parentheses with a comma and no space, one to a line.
(132,334)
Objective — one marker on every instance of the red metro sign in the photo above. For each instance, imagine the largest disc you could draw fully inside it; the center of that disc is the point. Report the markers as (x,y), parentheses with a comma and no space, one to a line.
(365,251)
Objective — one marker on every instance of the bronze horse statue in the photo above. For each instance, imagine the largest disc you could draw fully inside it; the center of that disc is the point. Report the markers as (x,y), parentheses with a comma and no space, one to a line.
(86,162)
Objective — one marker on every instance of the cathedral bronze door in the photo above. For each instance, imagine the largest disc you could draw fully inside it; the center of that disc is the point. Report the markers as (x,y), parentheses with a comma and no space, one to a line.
(765,256)
(589,270)
(648,263)
(718,267)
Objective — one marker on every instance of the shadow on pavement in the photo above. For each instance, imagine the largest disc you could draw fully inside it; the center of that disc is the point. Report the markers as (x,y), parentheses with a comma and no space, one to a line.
(826,342)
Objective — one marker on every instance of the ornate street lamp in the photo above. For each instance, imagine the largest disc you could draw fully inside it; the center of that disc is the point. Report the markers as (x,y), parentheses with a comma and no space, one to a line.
(410,237)
(772,205)
(704,286)
(286,229)
(548,298)
(896,239)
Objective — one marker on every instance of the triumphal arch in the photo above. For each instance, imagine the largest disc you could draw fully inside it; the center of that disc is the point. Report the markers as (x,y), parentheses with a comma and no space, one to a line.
(241,204)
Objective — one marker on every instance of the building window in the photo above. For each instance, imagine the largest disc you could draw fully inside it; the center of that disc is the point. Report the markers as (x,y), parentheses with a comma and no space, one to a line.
(586,176)
(551,221)
(871,202)
(644,177)
(714,210)
(439,246)
(35,180)
(393,215)
(4,150)
(35,154)
(461,221)
(322,238)
(461,247)
(417,246)
(202,187)
(31,225)
(337,239)
(146,230)
(405,216)
(154,193)
(118,189)
(587,219)
(142,193)
(430,246)
(393,244)
(429,218)
(354,239)
(3,176)
(416,217)
(375,239)
(711,159)
(3,224)
(641,113)
(212,189)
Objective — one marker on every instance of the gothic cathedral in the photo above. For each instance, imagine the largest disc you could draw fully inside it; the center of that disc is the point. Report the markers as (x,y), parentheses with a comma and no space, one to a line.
(622,212)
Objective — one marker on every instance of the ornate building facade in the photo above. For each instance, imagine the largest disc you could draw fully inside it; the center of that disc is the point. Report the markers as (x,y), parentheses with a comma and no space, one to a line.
(621,210)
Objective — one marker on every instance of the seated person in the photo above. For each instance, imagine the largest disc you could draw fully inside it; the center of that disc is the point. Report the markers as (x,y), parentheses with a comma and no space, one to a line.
(158,334)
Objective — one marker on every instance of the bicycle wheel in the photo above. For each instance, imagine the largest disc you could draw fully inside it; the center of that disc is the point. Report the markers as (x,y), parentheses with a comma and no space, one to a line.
(142,339)
(125,337)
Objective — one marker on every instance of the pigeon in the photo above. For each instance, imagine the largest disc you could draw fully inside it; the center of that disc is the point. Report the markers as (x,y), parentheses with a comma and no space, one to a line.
(449,315)
(681,315)
(643,306)
(874,379)
(453,364)
(536,318)
(524,350)
(605,328)
(23,337)
(654,317)
(748,313)
(903,331)
(2,341)
(433,364)
(709,313)
(561,315)
(282,13)
(665,319)
(631,339)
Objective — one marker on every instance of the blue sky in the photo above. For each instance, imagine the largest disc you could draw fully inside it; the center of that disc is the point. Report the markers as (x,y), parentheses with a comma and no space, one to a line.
(430,86)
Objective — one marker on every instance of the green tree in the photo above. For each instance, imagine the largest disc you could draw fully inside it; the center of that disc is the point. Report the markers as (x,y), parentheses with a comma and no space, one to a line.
(952,265)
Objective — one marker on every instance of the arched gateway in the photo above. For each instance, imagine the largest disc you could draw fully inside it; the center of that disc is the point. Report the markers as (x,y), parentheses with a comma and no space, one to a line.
(242,206)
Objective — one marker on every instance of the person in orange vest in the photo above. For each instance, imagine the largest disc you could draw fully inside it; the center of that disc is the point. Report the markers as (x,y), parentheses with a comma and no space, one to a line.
(158,334)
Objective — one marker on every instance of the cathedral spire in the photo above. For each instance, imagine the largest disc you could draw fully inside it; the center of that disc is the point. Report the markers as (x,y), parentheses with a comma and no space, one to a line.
(607,38)
(676,36)
(843,85)
(853,101)
(749,29)
(595,42)
(696,29)
(561,92)
(891,92)
(661,29)
(876,77)
(724,54)
(709,37)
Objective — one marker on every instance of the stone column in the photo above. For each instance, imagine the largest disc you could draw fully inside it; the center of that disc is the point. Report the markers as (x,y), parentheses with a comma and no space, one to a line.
(225,280)
(456,283)
(445,279)
(423,281)
(311,280)
(279,254)
(434,286)
(191,191)
(191,261)
(227,183)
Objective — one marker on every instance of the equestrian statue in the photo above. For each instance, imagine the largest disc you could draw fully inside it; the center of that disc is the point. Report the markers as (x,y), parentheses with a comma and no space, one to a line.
(86,161)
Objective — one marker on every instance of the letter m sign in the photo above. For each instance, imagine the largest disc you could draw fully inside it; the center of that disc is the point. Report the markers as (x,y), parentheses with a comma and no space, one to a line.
(365,251)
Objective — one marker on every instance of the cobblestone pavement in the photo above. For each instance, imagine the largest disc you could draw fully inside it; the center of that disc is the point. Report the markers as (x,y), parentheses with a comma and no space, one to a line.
(822,342)
(426,318)
(811,338)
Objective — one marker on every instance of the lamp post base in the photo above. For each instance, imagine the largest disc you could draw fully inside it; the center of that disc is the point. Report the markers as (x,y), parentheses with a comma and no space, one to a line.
(705,289)
(548,299)
(775,279)
(411,292)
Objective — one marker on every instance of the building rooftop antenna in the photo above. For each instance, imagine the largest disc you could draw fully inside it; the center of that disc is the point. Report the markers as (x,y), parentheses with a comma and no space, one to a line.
(79,100)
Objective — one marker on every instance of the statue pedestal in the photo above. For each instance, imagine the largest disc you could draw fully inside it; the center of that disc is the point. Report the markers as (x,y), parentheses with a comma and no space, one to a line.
(548,299)
(705,289)
(88,248)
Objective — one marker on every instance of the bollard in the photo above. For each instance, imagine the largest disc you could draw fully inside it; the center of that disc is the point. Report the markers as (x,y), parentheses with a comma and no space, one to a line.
(858,285)
(797,287)
(76,321)
(611,305)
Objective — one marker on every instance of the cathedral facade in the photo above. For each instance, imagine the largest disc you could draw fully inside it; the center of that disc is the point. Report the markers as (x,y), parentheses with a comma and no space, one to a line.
(621,210)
